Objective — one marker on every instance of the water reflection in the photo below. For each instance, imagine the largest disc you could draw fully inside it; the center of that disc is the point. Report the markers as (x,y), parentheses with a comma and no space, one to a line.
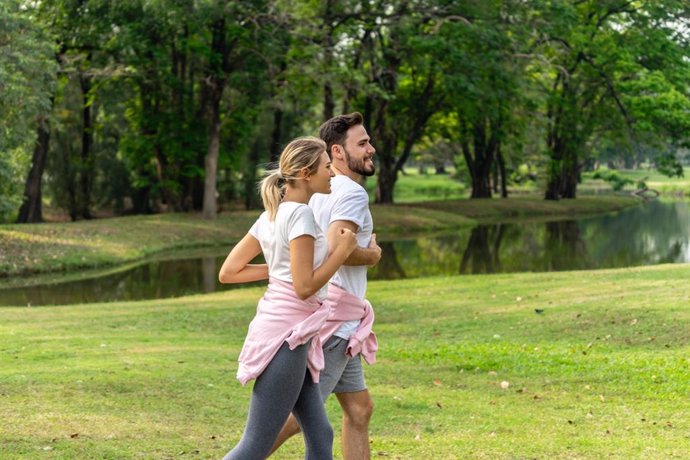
(657,232)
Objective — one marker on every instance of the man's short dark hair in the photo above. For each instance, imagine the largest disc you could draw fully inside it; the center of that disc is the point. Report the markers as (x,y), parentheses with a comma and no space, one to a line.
(334,131)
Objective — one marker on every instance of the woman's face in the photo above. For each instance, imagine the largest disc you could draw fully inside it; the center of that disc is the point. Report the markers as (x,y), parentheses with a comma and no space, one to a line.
(321,179)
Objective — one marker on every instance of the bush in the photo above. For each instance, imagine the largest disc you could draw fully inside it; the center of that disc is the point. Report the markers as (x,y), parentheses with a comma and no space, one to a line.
(616,181)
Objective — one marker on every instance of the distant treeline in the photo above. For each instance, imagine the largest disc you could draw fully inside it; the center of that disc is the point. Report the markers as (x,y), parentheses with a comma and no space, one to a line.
(146,106)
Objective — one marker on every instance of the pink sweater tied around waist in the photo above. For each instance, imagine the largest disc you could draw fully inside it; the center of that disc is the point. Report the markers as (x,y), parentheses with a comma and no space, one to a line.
(281,316)
(347,307)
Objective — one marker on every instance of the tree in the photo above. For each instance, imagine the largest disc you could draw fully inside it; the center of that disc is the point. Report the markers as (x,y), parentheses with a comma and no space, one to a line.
(593,52)
(27,79)
(403,90)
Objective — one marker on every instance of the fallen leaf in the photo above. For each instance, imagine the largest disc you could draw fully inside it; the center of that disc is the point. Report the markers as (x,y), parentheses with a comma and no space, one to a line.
(438,383)
(505,385)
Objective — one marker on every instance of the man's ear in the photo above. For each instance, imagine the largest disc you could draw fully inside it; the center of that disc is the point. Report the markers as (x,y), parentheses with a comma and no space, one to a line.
(337,151)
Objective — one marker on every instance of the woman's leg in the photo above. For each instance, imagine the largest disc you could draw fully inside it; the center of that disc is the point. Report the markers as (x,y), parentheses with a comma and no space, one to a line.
(310,412)
(274,395)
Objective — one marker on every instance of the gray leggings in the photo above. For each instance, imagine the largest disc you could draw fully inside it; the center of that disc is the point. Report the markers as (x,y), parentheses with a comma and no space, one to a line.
(285,386)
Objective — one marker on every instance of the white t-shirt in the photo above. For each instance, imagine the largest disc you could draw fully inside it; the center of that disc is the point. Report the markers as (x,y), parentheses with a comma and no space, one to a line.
(347,201)
(292,220)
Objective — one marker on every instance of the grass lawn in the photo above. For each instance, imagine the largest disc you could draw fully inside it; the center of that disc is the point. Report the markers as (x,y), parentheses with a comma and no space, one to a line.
(677,187)
(569,365)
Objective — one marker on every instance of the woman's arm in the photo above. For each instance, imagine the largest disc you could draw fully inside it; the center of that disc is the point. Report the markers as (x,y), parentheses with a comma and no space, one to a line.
(237,269)
(305,279)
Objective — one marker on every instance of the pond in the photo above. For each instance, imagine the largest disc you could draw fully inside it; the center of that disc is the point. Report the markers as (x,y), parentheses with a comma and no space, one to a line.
(654,233)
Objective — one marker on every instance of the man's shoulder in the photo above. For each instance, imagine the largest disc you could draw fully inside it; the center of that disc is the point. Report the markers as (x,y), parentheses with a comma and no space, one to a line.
(343,185)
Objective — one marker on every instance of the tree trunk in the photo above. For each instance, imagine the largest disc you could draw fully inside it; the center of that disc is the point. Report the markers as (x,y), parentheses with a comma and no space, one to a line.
(328,102)
(87,162)
(502,172)
(553,182)
(276,135)
(216,84)
(251,197)
(31,209)
(386,182)
(210,209)
(569,176)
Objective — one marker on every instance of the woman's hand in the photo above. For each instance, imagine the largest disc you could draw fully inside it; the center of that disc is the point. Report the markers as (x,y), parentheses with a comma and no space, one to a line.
(345,241)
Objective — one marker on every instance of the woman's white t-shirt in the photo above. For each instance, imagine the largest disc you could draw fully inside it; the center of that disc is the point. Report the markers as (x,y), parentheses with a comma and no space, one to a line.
(292,220)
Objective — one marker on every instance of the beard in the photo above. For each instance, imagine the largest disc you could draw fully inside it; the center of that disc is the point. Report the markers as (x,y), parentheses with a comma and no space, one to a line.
(359,166)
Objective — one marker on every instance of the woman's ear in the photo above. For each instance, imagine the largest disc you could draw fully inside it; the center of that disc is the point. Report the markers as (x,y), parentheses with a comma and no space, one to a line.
(304,173)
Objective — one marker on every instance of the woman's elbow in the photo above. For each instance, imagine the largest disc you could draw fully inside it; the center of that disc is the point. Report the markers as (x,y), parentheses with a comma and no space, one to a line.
(303,292)
(225,277)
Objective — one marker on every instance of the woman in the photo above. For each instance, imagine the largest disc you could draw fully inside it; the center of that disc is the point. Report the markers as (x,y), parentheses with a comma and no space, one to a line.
(282,350)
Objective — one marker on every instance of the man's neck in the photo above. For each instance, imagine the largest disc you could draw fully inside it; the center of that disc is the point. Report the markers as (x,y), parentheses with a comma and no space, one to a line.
(348,173)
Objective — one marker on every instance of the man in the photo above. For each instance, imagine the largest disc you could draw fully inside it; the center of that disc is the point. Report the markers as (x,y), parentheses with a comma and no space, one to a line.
(347,333)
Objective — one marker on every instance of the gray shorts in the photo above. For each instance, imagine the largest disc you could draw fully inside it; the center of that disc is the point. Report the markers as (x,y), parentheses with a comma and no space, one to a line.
(341,373)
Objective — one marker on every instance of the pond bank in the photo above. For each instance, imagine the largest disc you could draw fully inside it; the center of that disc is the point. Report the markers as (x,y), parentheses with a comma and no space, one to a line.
(62,247)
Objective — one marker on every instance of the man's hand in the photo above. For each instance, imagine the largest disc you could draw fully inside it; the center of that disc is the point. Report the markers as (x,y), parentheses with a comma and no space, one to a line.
(376,250)
(361,256)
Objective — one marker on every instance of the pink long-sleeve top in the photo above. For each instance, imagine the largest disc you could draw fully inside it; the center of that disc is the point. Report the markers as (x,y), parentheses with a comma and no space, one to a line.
(281,316)
(346,307)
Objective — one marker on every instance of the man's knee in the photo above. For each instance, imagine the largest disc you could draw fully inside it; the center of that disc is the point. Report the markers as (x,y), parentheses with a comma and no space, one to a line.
(358,412)
(291,427)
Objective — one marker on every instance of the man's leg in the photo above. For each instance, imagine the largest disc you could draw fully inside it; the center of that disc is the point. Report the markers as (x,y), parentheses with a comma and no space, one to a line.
(357,406)
(335,361)
(357,410)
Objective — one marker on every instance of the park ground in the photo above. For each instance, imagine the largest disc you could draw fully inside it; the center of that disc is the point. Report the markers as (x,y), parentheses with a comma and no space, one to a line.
(569,365)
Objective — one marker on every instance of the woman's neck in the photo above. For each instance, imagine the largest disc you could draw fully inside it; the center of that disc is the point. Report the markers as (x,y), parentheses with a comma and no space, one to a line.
(298,195)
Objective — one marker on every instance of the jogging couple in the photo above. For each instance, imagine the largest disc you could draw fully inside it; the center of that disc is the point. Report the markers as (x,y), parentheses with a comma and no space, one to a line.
(313,325)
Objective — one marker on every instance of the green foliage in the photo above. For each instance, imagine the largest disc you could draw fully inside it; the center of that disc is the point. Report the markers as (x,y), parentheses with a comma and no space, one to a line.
(614,178)
(669,165)
(550,85)
(27,73)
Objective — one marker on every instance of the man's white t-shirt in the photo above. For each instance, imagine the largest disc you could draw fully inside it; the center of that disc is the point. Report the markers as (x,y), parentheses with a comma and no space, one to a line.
(347,201)
(292,220)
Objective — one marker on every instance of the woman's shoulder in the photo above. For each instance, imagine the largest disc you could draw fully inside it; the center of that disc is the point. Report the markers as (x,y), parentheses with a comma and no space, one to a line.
(289,208)
(291,213)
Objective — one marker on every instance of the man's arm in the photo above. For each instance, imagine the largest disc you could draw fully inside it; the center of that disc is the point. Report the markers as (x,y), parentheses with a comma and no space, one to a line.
(369,256)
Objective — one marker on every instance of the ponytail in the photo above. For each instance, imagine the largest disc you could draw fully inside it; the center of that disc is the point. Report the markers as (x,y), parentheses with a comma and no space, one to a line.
(272,190)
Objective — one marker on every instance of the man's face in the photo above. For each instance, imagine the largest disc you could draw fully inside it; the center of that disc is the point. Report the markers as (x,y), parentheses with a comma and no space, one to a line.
(358,152)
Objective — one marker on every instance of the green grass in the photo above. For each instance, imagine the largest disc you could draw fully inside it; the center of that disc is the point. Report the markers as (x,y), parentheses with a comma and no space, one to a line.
(413,187)
(532,207)
(600,372)
(678,187)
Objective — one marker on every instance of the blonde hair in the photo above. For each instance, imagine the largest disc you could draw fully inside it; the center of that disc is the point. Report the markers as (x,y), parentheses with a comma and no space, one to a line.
(303,152)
